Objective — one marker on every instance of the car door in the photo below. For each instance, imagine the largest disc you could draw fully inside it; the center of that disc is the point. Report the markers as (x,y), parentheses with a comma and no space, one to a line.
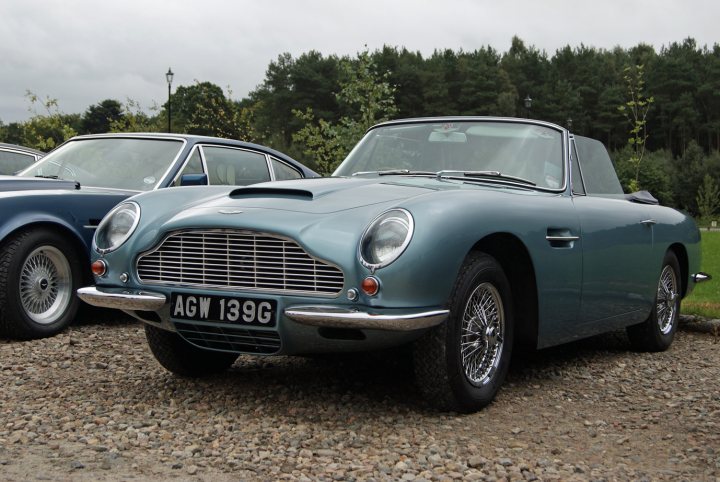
(617,238)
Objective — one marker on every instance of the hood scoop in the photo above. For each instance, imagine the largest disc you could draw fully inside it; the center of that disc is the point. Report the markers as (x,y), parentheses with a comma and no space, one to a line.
(254,191)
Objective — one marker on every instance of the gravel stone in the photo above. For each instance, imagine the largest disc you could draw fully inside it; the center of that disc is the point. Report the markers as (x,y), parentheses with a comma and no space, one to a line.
(93,404)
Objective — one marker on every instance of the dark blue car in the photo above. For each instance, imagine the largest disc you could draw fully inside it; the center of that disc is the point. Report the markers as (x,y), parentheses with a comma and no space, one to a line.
(49,212)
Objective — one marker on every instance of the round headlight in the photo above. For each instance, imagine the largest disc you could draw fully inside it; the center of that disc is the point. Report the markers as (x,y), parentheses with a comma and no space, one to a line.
(386,238)
(116,227)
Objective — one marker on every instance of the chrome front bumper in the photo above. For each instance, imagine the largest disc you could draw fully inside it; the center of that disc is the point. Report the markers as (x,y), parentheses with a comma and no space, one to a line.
(701,277)
(341,317)
(122,299)
(311,315)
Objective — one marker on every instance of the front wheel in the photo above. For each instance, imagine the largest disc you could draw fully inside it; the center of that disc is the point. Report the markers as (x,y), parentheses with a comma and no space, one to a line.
(658,331)
(461,364)
(184,359)
(40,272)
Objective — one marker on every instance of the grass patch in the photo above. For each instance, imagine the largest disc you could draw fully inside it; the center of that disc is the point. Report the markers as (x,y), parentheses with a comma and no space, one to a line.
(705,298)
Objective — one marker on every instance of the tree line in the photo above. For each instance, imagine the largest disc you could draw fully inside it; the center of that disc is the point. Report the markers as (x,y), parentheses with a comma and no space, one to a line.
(315,106)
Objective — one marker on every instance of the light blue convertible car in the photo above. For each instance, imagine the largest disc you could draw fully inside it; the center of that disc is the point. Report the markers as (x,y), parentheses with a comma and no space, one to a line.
(464,237)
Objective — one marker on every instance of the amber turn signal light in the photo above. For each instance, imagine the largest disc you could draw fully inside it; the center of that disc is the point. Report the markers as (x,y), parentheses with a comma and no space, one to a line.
(99,267)
(370,285)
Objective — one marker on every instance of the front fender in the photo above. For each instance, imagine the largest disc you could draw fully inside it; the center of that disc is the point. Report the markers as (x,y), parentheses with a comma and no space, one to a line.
(26,219)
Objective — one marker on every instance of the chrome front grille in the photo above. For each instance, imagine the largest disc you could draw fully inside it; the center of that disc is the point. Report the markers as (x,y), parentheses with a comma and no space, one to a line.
(238,260)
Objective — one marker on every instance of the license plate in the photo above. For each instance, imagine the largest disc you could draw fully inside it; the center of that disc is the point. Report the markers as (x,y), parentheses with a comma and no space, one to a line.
(223,309)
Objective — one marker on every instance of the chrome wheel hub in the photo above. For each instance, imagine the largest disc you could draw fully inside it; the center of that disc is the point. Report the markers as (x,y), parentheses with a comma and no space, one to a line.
(45,285)
(667,300)
(482,333)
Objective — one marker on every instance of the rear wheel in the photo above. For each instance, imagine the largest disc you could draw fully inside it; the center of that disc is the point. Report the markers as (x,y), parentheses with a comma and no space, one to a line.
(40,272)
(461,364)
(183,358)
(658,331)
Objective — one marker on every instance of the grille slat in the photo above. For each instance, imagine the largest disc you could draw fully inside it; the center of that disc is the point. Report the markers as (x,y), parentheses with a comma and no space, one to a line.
(236,260)
(230,338)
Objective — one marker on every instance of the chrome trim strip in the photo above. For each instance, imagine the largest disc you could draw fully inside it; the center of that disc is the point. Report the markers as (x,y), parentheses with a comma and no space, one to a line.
(342,317)
(701,277)
(123,299)
(562,238)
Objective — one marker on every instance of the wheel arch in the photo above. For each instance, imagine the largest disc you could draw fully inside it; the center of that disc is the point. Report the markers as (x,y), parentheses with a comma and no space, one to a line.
(81,249)
(513,256)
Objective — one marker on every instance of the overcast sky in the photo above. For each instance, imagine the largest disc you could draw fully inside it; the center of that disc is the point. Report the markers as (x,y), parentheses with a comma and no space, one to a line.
(81,52)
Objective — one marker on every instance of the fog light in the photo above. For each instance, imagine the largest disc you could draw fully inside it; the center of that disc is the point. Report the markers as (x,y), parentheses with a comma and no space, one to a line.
(370,285)
(99,267)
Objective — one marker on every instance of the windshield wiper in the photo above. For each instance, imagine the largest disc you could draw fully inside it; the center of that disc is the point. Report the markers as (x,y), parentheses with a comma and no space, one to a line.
(395,172)
(484,174)
(46,177)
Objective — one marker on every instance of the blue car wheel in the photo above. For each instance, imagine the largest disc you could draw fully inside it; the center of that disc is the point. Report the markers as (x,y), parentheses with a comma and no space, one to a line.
(39,275)
(461,364)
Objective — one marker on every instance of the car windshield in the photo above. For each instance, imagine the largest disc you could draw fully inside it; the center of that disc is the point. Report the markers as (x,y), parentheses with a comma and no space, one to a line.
(135,164)
(491,150)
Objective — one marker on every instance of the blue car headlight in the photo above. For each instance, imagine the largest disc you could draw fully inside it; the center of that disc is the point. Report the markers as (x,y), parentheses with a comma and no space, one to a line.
(385,239)
(116,227)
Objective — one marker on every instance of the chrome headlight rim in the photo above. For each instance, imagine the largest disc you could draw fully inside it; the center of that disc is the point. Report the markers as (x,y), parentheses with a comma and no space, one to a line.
(409,221)
(108,218)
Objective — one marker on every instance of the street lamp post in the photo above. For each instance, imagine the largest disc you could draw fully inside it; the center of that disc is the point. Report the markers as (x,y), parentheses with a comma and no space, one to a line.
(169,77)
(528,104)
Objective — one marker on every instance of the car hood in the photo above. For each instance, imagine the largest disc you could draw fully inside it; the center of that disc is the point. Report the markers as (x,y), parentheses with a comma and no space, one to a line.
(336,208)
(317,196)
(325,196)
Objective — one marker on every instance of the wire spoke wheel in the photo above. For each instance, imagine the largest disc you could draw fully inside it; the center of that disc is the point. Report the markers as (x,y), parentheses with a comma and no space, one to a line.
(460,364)
(482,334)
(667,295)
(657,332)
(45,284)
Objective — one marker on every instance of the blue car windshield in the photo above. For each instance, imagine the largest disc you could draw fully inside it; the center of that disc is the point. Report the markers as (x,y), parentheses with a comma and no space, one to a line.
(523,150)
(136,164)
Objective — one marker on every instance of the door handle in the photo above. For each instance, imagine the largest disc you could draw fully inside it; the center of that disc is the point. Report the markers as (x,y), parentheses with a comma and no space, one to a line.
(648,222)
(561,238)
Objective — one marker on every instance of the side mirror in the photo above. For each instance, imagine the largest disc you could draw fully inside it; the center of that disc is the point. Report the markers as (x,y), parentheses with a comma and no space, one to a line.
(194,180)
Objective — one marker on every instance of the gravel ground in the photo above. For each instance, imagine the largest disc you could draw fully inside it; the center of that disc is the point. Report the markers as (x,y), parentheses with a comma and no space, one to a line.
(92,404)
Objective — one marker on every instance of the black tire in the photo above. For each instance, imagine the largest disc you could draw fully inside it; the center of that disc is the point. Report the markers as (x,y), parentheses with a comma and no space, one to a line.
(184,359)
(658,331)
(442,376)
(40,272)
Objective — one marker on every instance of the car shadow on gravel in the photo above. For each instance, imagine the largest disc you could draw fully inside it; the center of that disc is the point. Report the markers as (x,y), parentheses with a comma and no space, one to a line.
(608,345)
(366,383)
(363,384)
(91,315)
